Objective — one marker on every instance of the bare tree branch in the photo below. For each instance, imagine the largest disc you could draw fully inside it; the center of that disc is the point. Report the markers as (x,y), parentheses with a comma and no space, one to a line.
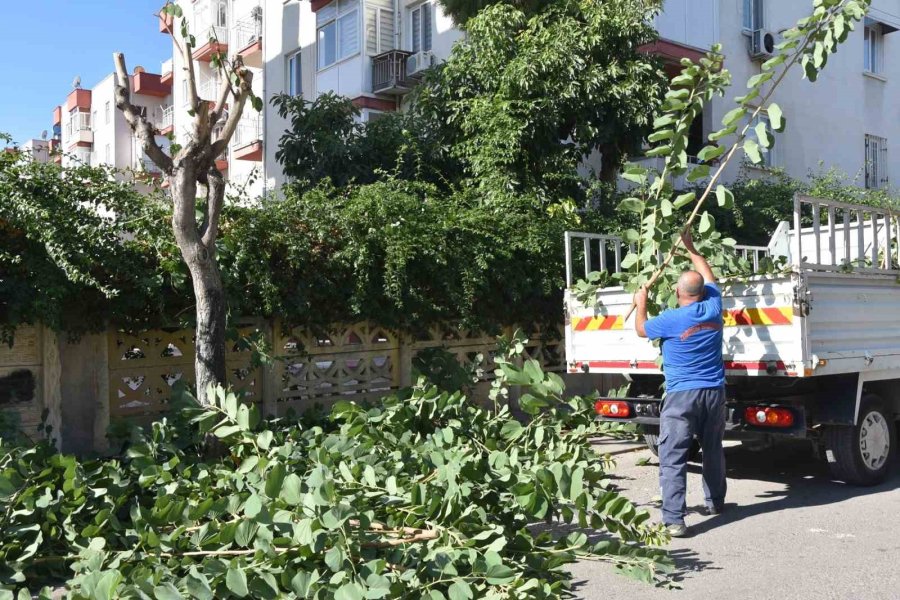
(215,199)
(187,53)
(244,90)
(139,124)
(224,93)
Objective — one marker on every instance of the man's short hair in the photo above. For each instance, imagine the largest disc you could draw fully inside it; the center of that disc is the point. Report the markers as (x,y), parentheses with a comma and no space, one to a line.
(690,283)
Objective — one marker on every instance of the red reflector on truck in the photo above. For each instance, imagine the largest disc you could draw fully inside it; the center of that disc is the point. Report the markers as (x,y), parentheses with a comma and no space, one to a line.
(768,416)
(612,408)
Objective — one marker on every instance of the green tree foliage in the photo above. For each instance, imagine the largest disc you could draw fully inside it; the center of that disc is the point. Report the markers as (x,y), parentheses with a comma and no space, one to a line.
(78,248)
(427,495)
(524,98)
(326,141)
(398,253)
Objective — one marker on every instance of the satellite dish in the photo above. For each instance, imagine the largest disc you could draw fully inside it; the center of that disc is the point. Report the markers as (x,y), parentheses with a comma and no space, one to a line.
(44,134)
(76,83)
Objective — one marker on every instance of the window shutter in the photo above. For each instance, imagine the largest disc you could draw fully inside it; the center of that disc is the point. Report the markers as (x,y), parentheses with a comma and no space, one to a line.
(372,25)
(417,29)
(386,29)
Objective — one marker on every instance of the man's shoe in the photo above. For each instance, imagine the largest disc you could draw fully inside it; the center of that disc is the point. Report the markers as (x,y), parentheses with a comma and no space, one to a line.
(677,530)
(711,511)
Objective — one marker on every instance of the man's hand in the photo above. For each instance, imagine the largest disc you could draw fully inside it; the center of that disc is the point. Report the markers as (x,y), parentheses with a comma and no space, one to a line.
(640,303)
(640,298)
(688,240)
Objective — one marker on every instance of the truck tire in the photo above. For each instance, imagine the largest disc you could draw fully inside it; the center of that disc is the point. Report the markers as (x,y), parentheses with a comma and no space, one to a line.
(862,454)
(652,441)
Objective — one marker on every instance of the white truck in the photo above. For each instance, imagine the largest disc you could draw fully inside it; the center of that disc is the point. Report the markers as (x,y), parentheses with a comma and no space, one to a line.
(812,352)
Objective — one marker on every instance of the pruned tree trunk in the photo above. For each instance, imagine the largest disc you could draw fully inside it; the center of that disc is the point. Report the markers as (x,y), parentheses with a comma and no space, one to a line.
(192,167)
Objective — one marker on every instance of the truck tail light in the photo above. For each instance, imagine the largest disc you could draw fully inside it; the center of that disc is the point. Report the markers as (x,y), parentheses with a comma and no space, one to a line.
(612,408)
(768,416)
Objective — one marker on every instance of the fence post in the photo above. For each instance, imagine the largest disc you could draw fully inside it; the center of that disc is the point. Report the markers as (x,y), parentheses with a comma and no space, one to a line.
(271,374)
(403,375)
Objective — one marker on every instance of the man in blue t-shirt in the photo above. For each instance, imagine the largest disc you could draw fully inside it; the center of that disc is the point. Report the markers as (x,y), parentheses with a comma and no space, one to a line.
(691,338)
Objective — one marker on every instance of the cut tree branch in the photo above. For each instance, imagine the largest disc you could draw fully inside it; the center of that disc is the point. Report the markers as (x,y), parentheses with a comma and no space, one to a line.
(244,90)
(215,198)
(138,122)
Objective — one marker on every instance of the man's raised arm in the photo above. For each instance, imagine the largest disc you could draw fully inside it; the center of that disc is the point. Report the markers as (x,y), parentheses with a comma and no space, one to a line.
(700,264)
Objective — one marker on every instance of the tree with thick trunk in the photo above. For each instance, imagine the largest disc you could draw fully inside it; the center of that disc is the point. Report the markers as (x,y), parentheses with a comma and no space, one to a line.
(193,167)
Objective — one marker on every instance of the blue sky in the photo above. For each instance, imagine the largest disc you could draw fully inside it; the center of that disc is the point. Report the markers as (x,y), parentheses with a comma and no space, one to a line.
(49,42)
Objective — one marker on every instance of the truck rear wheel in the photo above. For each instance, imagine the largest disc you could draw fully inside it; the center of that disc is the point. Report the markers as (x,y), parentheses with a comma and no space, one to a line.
(862,454)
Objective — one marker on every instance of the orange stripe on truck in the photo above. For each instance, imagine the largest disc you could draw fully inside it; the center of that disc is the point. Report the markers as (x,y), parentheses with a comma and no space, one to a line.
(736,317)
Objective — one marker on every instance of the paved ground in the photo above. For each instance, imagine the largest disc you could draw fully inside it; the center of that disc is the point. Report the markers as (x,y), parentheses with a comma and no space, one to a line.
(788,532)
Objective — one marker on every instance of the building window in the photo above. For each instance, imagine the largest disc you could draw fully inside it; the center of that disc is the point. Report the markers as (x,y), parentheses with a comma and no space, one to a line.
(421,27)
(107,155)
(769,155)
(108,112)
(876,162)
(295,75)
(337,32)
(222,14)
(753,15)
(873,47)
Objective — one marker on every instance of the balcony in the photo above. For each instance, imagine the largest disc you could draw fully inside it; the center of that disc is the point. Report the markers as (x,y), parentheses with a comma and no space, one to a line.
(79,98)
(57,115)
(248,38)
(78,130)
(149,84)
(55,151)
(209,89)
(166,123)
(247,140)
(208,24)
(389,73)
(167,73)
(166,22)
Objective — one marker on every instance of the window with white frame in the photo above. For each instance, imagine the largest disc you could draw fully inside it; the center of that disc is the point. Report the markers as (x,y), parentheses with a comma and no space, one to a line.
(108,112)
(769,155)
(294,74)
(337,35)
(222,14)
(420,27)
(873,49)
(876,162)
(754,16)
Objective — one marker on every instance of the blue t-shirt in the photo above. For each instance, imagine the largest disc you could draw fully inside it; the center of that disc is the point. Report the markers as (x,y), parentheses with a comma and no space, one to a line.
(691,343)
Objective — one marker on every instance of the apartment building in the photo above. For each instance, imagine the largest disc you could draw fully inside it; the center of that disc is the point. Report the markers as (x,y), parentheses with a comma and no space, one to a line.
(846,119)
(90,130)
(233,27)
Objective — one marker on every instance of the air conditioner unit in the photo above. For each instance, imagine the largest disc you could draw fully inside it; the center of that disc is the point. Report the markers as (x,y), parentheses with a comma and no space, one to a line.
(418,62)
(762,45)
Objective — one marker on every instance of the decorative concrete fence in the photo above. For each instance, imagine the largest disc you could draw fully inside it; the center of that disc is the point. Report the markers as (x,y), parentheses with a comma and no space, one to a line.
(91,382)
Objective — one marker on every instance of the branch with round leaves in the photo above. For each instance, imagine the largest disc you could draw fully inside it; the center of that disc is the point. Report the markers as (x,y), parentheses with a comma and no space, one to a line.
(808,44)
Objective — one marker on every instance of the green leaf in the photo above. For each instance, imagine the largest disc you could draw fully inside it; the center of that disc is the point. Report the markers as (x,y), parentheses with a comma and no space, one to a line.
(658,136)
(460,590)
(776,117)
(198,585)
(635,174)
(302,582)
(658,151)
(349,591)
(253,506)
(724,196)
(706,222)
(236,581)
(631,205)
(226,430)
(718,135)
(759,79)
(274,480)
(762,135)
(697,173)
(774,62)
(500,574)
(291,489)
(708,153)
(665,207)
(264,439)
(733,116)
(167,591)
(684,199)
(751,147)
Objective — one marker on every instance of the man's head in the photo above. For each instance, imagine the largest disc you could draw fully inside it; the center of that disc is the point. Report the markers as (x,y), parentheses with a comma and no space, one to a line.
(689,288)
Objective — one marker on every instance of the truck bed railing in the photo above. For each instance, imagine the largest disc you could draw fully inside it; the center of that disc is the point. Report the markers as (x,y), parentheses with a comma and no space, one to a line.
(599,252)
(844,237)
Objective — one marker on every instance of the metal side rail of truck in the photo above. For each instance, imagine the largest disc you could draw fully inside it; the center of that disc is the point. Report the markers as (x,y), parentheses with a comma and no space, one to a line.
(812,352)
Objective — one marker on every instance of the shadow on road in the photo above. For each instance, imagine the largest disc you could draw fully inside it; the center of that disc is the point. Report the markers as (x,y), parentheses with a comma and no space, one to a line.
(806,480)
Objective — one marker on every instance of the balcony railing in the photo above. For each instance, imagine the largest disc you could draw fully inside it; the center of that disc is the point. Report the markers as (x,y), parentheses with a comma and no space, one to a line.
(248,29)
(389,73)
(249,130)
(209,90)
(80,121)
(166,118)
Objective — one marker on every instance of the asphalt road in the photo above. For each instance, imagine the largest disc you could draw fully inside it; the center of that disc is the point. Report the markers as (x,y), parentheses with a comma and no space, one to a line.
(788,531)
